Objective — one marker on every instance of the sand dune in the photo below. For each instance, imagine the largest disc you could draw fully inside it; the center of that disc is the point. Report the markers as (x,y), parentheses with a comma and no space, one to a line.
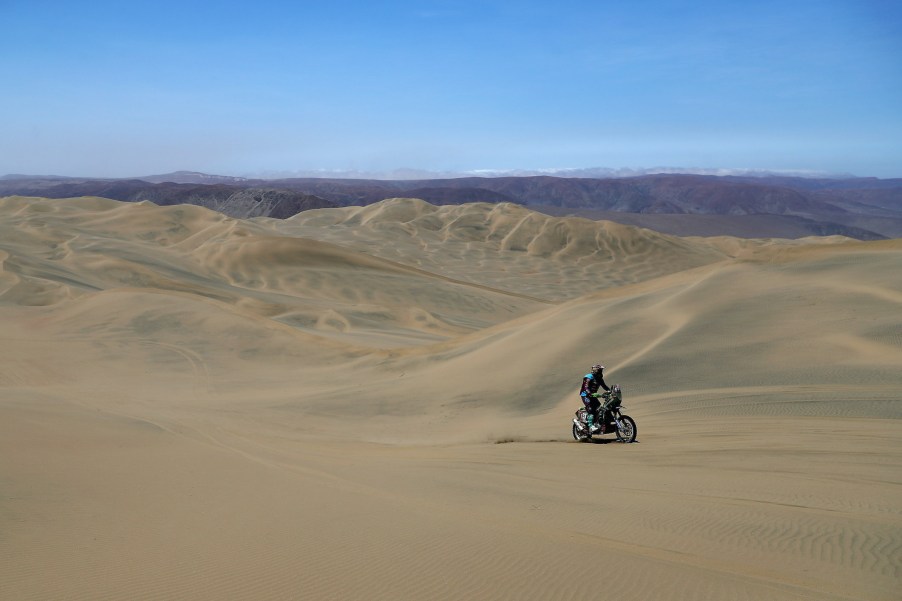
(198,407)
(548,257)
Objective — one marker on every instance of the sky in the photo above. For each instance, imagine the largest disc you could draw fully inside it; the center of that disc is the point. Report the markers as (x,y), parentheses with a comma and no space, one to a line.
(118,89)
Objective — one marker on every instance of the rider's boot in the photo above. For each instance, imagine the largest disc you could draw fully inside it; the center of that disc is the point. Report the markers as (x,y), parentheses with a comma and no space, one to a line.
(593,428)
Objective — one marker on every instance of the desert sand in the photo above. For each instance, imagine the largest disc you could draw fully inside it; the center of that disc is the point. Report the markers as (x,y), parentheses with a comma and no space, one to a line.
(375,403)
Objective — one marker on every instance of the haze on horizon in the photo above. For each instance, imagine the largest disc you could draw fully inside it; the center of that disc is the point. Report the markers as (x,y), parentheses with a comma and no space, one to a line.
(115,90)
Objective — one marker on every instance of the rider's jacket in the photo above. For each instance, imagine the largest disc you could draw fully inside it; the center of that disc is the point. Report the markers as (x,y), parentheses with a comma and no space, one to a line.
(591,382)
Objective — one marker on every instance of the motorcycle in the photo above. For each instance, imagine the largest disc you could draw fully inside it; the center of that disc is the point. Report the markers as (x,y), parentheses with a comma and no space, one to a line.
(613,421)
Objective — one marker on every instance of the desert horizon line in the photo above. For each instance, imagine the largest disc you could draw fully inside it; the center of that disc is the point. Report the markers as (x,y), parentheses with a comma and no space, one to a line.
(414,173)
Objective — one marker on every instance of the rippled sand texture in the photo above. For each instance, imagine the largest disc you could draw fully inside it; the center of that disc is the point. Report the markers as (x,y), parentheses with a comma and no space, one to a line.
(375,403)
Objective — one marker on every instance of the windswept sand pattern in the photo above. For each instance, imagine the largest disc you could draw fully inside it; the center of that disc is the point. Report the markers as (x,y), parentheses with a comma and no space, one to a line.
(198,407)
(554,258)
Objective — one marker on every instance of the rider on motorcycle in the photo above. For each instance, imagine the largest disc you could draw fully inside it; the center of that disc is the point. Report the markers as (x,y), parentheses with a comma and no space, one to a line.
(589,395)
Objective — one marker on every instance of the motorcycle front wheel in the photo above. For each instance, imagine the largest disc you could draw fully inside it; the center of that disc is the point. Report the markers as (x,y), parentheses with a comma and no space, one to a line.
(627,429)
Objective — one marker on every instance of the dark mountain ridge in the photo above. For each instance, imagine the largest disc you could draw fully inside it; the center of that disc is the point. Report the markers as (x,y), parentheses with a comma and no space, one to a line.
(862,208)
(237,201)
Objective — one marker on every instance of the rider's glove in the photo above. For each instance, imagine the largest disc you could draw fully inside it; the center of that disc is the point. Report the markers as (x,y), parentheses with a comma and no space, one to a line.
(596,395)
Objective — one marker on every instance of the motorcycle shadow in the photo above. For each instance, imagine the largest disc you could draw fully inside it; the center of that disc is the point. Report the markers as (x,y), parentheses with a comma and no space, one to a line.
(603,441)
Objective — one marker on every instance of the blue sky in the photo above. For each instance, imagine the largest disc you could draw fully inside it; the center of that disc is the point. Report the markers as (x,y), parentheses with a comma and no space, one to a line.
(120,89)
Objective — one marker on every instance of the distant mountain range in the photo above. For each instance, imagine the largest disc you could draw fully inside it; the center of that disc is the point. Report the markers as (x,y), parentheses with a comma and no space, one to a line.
(749,205)
(588,172)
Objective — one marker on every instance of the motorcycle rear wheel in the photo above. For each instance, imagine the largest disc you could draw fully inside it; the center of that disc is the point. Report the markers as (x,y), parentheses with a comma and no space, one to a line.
(627,432)
(577,435)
